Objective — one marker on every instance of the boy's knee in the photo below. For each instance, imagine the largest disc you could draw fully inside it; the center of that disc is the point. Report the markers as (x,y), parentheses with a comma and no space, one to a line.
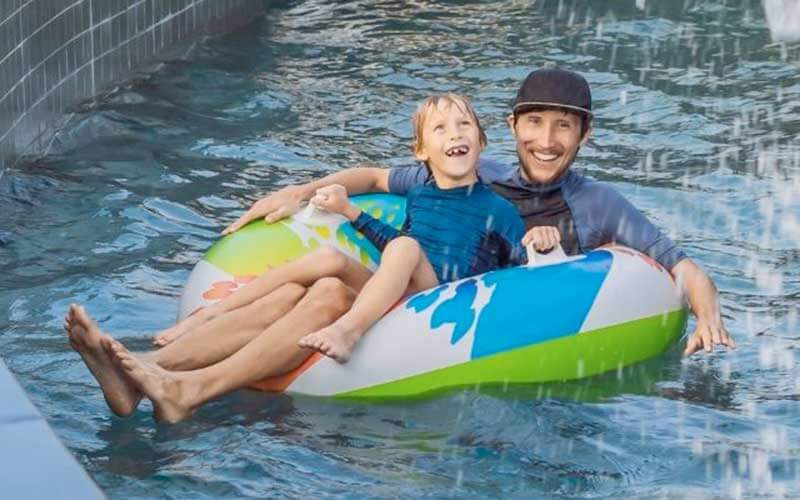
(405,245)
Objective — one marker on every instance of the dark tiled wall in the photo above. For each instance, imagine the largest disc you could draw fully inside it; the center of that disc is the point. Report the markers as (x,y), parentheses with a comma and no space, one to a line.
(56,52)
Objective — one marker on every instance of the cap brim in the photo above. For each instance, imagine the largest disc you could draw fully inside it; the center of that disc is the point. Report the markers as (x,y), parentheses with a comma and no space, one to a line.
(534,104)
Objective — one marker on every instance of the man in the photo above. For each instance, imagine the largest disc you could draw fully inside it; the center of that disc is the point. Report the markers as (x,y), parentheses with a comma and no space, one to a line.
(550,120)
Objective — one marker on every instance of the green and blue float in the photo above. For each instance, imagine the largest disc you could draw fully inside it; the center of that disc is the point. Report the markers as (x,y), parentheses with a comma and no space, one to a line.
(547,322)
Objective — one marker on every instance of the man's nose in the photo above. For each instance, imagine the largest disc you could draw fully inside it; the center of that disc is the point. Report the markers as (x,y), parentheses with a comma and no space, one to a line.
(546,139)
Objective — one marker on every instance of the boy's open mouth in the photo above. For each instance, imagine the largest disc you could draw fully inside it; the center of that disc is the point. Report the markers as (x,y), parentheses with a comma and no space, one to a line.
(457,151)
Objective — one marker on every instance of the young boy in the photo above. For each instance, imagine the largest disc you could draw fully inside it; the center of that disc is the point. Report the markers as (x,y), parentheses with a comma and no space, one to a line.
(455,226)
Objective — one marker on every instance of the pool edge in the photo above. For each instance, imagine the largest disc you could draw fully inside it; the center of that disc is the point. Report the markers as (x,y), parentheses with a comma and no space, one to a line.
(34,463)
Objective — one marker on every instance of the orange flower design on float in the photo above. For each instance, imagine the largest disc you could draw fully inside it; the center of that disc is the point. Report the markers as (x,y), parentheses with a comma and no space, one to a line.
(221,289)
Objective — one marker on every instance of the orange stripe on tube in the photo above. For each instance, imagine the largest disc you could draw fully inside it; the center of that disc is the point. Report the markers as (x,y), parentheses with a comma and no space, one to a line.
(279,383)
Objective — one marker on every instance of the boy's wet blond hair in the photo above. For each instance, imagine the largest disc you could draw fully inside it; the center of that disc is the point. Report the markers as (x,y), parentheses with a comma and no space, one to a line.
(431,103)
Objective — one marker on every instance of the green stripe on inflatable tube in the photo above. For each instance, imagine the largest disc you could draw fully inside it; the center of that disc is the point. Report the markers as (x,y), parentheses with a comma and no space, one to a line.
(565,358)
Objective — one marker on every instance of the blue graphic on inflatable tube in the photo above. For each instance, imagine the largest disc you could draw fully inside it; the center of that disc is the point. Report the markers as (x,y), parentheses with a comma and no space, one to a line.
(554,301)
(422,301)
(457,310)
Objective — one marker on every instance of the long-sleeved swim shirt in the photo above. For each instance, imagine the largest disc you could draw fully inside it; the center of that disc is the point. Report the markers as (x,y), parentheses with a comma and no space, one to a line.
(463,231)
(587,213)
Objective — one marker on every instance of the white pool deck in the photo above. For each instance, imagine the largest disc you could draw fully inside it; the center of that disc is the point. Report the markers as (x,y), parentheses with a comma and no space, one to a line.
(34,464)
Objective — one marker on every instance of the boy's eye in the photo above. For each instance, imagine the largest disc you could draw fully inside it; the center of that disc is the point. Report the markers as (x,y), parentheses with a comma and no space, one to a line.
(437,128)
(565,124)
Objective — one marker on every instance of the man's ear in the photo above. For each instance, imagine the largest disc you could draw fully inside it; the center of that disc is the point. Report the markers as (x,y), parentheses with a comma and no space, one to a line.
(511,124)
(587,136)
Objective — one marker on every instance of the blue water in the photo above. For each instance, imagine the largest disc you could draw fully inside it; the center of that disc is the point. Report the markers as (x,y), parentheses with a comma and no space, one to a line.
(697,119)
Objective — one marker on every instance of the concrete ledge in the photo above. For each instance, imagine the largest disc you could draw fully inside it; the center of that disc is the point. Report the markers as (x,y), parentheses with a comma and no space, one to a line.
(33,462)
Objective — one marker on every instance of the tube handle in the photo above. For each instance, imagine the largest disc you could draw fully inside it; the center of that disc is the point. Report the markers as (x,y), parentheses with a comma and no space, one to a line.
(536,258)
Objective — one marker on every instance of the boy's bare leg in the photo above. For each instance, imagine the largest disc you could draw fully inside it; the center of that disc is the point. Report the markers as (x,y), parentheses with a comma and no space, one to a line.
(404,269)
(306,270)
(208,344)
(176,394)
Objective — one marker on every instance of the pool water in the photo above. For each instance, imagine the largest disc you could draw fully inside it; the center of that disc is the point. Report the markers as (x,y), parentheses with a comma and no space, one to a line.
(697,118)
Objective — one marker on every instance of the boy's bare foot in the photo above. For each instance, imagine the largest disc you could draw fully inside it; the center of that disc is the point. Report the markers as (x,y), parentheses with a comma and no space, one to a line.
(165,389)
(170,334)
(336,341)
(86,338)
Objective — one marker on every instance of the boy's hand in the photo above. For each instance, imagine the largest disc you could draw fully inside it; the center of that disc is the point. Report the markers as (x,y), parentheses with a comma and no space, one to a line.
(273,207)
(543,238)
(334,198)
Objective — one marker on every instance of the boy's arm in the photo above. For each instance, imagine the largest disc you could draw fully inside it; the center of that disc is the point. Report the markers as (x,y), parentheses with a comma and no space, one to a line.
(702,295)
(288,200)
(377,232)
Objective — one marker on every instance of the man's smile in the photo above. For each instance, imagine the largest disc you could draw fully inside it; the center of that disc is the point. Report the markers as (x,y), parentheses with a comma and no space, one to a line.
(544,156)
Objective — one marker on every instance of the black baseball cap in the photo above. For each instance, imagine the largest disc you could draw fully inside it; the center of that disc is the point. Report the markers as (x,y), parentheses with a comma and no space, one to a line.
(559,88)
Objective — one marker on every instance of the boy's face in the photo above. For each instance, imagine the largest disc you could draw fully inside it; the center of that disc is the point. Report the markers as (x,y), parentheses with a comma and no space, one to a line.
(547,142)
(450,142)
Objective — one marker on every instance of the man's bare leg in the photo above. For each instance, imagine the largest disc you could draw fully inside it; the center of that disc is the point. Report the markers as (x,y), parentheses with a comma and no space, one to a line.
(206,345)
(306,270)
(217,339)
(86,338)
(176,394)
(404,269)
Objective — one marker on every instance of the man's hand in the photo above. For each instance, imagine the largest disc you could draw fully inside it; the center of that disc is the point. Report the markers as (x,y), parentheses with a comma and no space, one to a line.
(273,207)
(334,198)
(707,335)
(702,295)
(543,238)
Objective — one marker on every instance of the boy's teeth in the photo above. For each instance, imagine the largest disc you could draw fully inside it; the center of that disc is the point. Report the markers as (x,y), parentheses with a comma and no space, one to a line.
(458,150)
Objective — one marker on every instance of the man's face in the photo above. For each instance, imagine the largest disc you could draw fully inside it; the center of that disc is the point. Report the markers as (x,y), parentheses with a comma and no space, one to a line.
(547,142)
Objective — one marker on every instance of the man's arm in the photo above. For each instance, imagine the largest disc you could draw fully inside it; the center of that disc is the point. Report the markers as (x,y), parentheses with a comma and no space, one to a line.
(288,200)
(628,226)
(702,295)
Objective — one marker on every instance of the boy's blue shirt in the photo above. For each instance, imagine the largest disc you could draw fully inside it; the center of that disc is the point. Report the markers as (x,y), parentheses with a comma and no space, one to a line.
(587,213)
(464,231)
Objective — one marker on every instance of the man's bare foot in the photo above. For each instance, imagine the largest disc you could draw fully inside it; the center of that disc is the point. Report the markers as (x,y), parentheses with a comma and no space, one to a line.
(165,389)
(86,338)
(164,337)
(336,341)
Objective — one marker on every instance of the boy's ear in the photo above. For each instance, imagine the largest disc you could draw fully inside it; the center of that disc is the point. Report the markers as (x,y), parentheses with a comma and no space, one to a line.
(421,155)
(511,122)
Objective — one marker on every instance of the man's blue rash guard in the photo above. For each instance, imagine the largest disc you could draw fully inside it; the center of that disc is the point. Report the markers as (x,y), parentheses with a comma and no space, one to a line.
(464,231)
(587,213)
